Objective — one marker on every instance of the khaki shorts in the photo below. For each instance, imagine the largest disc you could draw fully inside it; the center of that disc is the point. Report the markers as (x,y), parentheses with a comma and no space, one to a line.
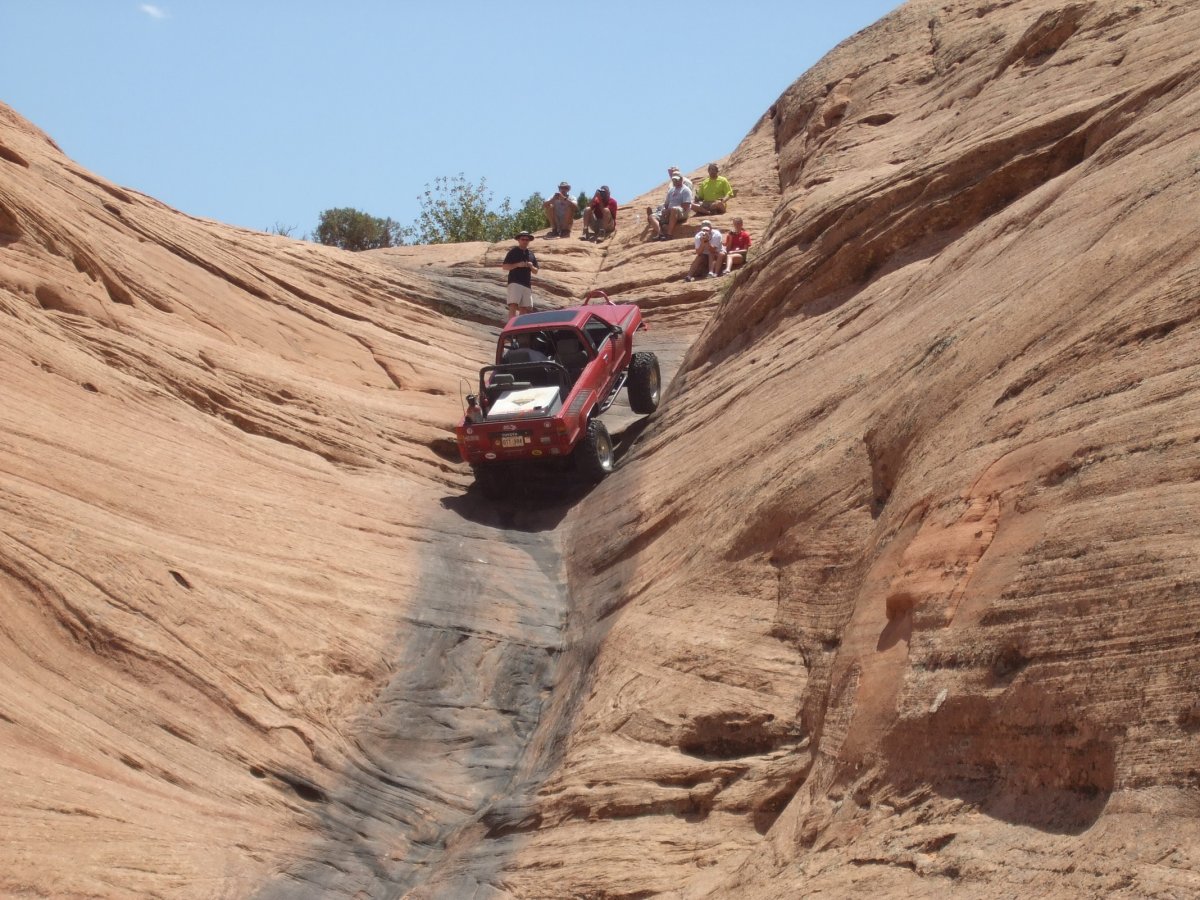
(563,210)
(665,217)
(519,295)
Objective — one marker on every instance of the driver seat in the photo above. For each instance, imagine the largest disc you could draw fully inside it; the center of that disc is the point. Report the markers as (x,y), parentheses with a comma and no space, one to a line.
(572,356)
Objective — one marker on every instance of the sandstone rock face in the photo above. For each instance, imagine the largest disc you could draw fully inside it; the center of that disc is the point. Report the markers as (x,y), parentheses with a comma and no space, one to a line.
(897,593)
(258,636)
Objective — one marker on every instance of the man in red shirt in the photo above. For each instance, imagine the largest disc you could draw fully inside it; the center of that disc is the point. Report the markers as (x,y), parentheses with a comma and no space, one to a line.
(737,246)
(600,216)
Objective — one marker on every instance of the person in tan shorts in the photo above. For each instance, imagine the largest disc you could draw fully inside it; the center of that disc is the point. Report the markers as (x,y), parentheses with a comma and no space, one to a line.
(560,212)
(521,265)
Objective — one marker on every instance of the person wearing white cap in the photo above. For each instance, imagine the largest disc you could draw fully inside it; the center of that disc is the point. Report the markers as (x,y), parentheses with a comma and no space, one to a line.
(560,211)
(687,182)
(709,248)
(675,209)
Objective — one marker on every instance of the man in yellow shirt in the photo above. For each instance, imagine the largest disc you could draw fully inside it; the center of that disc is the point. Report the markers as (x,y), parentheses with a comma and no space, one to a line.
(712,193)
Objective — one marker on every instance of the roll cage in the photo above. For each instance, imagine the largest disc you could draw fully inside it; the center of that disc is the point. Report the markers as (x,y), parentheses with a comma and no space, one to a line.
(497,379)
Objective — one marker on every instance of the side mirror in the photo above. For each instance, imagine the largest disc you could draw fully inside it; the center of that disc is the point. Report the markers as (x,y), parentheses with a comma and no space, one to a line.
(617,331)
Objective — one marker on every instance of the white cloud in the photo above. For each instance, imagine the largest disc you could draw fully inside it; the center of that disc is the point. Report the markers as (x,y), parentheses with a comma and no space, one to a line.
(154,12)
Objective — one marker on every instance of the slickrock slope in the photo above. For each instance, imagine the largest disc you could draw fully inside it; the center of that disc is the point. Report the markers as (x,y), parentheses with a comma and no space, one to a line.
(224,632)
(258,636)
(217,489)
(898,593)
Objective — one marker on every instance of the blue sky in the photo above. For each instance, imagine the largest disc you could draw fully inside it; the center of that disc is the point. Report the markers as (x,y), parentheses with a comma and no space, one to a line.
(266,113)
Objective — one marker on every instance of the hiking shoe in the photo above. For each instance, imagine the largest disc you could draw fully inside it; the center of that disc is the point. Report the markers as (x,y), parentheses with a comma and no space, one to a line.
(689,278)
(712,274)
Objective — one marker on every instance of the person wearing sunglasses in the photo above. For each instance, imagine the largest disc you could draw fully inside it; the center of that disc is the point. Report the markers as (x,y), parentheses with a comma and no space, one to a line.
(521,265)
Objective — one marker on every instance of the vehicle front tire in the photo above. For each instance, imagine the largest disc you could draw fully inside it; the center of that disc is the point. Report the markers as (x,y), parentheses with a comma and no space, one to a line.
(594,454)
(645,383)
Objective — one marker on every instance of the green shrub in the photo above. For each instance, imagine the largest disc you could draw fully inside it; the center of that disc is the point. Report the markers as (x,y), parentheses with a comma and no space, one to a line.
(454,210)
(353,229)
(531,216)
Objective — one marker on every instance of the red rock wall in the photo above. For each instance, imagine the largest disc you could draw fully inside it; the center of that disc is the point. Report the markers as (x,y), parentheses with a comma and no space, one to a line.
(906,599)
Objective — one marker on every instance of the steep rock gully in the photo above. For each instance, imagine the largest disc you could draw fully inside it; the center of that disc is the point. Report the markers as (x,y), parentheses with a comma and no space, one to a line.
(455,745)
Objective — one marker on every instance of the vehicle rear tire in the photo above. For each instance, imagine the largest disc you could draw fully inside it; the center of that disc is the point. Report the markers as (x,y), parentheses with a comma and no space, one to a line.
(594,454)
(645,383)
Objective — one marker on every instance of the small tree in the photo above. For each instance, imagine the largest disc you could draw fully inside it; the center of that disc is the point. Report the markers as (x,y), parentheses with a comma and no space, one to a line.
(532,217)
(454,211)
(353,229)
(581,204)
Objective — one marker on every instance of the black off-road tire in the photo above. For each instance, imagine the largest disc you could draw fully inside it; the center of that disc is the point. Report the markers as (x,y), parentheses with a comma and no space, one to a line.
(645,383)
(594,454)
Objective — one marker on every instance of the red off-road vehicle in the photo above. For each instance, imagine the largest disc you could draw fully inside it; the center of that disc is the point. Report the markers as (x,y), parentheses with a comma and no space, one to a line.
(555,373)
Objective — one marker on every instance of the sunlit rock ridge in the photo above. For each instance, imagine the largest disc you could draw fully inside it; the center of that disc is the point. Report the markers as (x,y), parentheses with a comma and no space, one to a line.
(897,594)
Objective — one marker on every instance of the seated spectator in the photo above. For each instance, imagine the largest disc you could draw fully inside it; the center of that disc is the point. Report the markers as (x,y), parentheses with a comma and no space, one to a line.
(600,216)
(708,253)
(672,171)
(560,212)
(737,246)
(675,209)
(713,193)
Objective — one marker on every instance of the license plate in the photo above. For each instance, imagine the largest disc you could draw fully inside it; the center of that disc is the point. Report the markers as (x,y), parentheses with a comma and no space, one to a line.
(512,440)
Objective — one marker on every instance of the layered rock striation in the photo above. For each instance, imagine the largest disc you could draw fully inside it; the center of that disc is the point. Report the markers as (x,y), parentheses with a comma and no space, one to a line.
(896,593)
(906,601)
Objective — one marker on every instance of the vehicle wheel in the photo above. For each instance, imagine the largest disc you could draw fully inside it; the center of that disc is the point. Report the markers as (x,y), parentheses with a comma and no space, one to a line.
(594,455)
(491,481)
(644,383)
